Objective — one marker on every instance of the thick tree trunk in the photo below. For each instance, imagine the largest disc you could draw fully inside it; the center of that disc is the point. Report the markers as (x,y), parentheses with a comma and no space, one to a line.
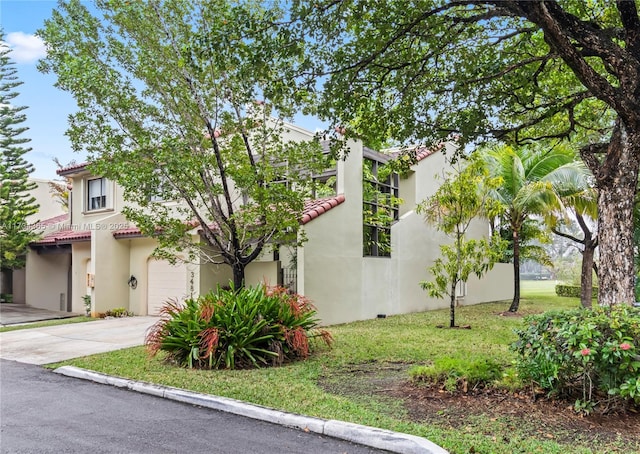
(617,179)
(515,304)
(586,277)
(616,271)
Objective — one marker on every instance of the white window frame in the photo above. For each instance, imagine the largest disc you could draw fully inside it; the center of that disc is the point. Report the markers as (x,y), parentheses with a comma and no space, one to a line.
(104,197)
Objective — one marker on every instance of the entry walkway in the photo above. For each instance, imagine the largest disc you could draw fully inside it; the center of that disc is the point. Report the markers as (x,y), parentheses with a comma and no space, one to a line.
(58,343)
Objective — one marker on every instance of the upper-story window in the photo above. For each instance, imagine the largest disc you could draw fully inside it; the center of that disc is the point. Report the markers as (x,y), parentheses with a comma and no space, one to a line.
(97,194)
(379,206)
(161,190)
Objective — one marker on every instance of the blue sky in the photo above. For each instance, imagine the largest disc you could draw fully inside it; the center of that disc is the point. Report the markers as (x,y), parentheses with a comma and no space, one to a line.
(48,107)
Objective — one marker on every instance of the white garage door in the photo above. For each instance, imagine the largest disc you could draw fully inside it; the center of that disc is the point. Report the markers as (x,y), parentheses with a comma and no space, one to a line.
(165,281)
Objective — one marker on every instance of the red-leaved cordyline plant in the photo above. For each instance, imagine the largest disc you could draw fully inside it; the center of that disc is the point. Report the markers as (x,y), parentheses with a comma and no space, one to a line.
(159,330)
(209,342)
(250,327)
(207,310)
(299,304)
(325,335)
(297,341)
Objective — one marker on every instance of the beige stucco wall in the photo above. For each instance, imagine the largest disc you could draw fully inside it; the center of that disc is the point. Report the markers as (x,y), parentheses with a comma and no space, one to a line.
(84,220)
(496,285)
(407,191)
(47,280)
(48,207)
(140,249)
(19,286)
(415,246)
(140,252)
(212,275)
(330,264)
(81,255)
(262,272)
(345,286)
(110,261)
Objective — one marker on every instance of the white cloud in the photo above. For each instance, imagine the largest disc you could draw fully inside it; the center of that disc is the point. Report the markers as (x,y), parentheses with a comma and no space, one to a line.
(25,48)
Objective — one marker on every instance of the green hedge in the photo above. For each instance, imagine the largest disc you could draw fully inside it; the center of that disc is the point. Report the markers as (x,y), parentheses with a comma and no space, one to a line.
(573,291)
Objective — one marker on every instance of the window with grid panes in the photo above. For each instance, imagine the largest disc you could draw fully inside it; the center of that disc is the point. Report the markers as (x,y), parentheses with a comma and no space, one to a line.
(379,207)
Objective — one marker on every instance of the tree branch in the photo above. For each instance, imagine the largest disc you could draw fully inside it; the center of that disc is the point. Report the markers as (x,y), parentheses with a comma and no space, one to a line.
(566,235)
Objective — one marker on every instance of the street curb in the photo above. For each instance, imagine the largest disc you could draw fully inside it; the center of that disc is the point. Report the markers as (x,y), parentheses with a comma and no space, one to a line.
(368,436)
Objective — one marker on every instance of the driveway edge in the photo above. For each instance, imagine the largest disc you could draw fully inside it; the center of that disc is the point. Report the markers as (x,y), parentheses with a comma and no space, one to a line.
(364,435)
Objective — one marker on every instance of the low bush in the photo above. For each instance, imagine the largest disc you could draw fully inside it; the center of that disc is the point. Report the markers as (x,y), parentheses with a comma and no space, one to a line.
(249,327)
(6,298)
(455,374)
(118,312)
(573,290)
(589,355)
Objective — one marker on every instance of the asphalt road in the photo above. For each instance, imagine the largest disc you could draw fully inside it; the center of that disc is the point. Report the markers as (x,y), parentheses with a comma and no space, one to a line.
(43,412)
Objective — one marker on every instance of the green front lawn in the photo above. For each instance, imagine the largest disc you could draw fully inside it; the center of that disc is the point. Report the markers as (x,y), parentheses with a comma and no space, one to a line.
(332,383)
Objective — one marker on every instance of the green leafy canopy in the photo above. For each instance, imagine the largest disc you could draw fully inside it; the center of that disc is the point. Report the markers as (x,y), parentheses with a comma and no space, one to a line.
(183,101)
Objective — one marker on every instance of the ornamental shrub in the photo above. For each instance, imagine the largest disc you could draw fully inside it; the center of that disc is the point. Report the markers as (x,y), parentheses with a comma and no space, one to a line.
(249,327)
(118,312)
(592,356)
(574,291)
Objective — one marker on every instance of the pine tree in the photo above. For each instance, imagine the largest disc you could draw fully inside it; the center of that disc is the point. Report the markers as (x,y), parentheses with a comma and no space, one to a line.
(16,203)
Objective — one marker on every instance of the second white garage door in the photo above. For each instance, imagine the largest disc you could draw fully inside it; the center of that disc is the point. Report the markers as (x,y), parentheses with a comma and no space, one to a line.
(166,281)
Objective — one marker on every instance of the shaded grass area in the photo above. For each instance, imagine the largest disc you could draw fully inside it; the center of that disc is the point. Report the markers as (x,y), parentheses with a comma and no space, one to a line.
(58,321)
(335,383)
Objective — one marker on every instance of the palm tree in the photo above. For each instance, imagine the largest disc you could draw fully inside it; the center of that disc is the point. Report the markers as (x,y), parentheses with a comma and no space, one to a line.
(534,182)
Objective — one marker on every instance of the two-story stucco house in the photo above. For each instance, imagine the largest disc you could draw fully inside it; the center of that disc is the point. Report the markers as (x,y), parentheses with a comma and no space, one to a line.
(350,269)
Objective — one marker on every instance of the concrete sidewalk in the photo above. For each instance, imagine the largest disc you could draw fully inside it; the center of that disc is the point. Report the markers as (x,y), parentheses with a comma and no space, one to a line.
(58,343)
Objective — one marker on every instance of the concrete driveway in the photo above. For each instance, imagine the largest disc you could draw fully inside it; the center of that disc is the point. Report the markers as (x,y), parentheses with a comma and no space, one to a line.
(11,314)
(57,343)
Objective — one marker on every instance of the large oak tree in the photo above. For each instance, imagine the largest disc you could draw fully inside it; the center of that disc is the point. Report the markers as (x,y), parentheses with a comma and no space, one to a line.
(520,70)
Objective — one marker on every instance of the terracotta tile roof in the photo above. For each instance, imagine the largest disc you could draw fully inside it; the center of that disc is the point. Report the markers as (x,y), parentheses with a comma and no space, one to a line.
(420,153)
(424,152)
(314,208)
(130,232)
(135,232)
(48,223)
(72,169)
(64,236)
